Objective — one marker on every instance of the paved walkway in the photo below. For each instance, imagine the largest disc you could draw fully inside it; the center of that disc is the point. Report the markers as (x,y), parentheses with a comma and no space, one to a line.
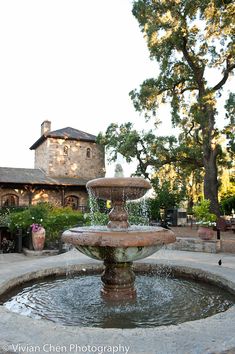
(188,231)
(212,335)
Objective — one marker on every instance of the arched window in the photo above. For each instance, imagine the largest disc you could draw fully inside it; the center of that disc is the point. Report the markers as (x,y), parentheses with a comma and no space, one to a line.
(88,153)
(66,150)
(72,201)
(10,200)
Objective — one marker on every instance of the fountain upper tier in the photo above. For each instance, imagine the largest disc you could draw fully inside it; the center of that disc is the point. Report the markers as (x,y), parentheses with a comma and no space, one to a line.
(118,188)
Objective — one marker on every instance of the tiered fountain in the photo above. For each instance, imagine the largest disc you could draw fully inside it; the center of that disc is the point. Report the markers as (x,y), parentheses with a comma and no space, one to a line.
(162,301)
(118,244)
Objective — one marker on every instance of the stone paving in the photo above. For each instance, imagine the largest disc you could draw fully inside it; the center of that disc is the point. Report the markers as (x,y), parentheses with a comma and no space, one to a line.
(211,335)
(187,239)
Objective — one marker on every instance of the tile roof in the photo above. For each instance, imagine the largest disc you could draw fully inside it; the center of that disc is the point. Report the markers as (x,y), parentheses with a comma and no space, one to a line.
(36,176)
(65,133)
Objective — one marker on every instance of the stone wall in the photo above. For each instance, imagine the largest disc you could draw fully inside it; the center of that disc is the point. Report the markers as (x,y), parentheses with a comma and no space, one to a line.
(70,158)
(41,156)
(22,194)
(43,195)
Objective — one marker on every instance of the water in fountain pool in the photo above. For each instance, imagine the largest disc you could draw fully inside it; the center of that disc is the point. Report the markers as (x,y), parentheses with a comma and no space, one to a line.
(161,301)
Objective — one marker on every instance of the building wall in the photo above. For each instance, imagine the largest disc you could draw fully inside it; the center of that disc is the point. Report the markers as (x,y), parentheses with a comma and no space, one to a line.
(55,197)
(41,157)
(22,194)
(42,195)
(70,158)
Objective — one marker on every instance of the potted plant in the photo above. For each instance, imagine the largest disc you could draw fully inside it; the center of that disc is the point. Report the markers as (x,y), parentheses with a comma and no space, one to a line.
(205,219)
(38,236)
(23,221)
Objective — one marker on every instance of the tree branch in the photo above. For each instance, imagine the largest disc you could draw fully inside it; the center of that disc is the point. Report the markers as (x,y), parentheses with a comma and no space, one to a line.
(142,166)
(189,88)
(227,71)
(196,70)
(174,159)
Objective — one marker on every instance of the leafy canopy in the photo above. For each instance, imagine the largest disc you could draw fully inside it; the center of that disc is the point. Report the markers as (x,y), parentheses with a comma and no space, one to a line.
(193,44)
(187,39)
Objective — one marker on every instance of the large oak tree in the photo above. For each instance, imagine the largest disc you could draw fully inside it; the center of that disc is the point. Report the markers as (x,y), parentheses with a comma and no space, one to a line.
(193,44)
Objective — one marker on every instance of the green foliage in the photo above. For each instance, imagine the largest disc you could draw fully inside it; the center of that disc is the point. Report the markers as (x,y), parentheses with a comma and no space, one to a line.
(154,209)
(39,212)
(149,149)
(203,214)
(228,204)
(138,213)
(229,129)
(4,218)
(19,219)
(169,193)
(96,218)
(5,213)
(187,39)
(59,219)
(22,219)
(54,219)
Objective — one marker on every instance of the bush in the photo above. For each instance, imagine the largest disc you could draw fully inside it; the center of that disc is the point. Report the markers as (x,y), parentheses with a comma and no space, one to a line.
(203,214)
(59,219)
(228,204)
(4,218)
(54,219)
(96,218)
(138,213)
(24,218)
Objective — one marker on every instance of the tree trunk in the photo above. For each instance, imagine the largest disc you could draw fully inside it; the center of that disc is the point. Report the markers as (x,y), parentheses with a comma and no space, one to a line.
(211,181)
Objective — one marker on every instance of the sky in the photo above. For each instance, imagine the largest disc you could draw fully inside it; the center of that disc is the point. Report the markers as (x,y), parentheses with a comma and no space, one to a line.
(72,62)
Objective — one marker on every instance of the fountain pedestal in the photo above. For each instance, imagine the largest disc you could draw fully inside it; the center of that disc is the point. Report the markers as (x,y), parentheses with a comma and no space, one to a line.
(118,281)
(118,217)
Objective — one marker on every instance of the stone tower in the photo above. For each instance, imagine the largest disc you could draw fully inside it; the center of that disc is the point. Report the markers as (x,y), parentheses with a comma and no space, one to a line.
(68,152)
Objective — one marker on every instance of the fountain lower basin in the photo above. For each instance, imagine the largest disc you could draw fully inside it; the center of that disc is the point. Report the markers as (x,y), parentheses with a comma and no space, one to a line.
(211,334)
(118,248)
(163,299)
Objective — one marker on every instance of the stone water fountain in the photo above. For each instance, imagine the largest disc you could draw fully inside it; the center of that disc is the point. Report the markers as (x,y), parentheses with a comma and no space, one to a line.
(118,244)
(73,301)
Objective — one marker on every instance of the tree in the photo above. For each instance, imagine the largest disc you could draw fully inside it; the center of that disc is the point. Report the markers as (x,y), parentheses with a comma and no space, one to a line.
(189,40)
(169,193)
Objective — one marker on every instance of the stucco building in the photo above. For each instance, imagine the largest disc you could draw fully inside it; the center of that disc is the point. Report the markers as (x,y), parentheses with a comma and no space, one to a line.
(65,160)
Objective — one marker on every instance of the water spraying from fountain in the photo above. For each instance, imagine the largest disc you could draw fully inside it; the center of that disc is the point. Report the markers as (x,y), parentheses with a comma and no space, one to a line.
(118,245)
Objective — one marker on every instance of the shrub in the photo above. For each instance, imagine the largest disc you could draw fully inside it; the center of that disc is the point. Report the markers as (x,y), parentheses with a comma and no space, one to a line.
(203,215)
(228,204)
(54,219)
(24,218)
(4,218)
(96,218)
(59,219)
(138,213)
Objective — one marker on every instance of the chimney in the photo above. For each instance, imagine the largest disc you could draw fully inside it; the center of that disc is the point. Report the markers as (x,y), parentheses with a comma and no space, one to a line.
(45,127)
